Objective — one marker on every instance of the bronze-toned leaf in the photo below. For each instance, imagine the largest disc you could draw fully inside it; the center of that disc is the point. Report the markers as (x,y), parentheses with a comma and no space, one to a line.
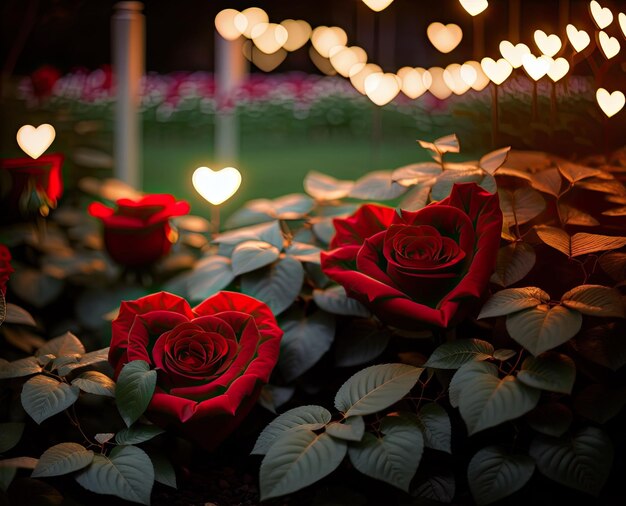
(578,244)
(572,216)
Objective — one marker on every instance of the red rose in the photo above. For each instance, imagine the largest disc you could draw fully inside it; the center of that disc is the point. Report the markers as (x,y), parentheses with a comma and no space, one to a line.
(138,232)
(211,360)
(414,268)
(5,268)
(43,80)
(29,186)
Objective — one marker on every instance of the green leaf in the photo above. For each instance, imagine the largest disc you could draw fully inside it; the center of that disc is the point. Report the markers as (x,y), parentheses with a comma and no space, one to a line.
(6,477)
(19,368)
(363,343)
(334,300)
(377,185)
(94,382)
(512,300)
(43,397)
(514,262)
(251,255)
(491,401)
(603,345)
(210,275)
(521,205)
(278,285)
(265,232)
(351,429)
(435,424)
(19,462)
(504,354)
(552,419)
(307,417)
(66,345)
(10,435)
(134,390)
(292,207)
(19,316)
(305,340)
(599,403)
(542,328)
(394,458)
(304,252)
(492,161)
(104,437)
(376,388)
(553,372)
(449,178)
(273,397)
(163,470)
(454,354)
(437,487)
(36,287)
(127,473)
(61,459)
(91,358)
(578,244)
(465,376)
(493,474)
(582,461)
(324,187)
(594,300)
(297,459)
(137,434)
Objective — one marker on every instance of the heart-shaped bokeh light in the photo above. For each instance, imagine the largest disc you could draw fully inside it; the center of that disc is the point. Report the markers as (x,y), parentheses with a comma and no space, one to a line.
(225,24)
(558,69)
(247,19)
(578,38)
(497,71)
(547,44)
(382,88)
(377,5)
(474,7)
(216,187)
(602,16)
(269,37)
(299,33)
(609,45)
(513,53)
(415,81)
(324,38)
(444,37)
(344,58)
(35,141)
(536,67)
(610,103)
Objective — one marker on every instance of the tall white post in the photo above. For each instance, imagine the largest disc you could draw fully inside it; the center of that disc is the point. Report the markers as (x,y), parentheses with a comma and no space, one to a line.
(127,28)
(231,69)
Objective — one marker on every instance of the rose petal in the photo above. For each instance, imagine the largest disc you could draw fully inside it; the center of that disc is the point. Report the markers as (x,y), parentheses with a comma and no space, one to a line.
(368,220)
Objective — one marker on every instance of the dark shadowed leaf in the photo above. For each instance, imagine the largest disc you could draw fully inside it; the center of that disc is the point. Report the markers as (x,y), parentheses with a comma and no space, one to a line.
(603,344)
(514,262)
(17,315)
(553,372)
(210,275)
(493,474)
(43,397)
(335,300)
(435,424)
(135,386)
(364,342)
(614,264)
(465,376)
(437,487)
(61,459)
(521,205)
(600,403)
(10,435)
(594,300)
(136,434)
(582,461)
(552,419)
(454,354)
(351,429)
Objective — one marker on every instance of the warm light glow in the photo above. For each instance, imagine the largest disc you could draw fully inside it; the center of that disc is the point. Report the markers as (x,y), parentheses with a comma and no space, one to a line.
(323,64)
(438,87)
(216,187)
(269,37)
(610,103)
(578,38)
(558,69)
(513,53)
(377,5)
(35,141)
(382,88)
(265,62)
(474,7)
(453,79)
(622,22)
(247,19)
(299,32)
(360,72)
(547,44)
(444,37)
(536,67)
(497,71)
(225,24)
(324,38)
(415,81)
(609,45)
(344,58)
(480,80)
(602,16)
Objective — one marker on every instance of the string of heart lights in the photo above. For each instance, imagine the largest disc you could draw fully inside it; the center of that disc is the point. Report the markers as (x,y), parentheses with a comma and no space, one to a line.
(268,44)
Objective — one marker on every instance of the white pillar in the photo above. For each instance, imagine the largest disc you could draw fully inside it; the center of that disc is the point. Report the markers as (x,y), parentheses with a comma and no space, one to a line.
(127,29)
(231,69)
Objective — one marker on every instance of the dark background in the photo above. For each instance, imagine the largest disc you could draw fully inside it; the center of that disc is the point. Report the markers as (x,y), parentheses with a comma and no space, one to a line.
(179,34)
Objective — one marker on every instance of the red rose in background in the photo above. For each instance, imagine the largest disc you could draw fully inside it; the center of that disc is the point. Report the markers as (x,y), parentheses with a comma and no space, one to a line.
(415,268)
(43,80)
(28,186)
(211,360)
(5,268)
(137,233)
